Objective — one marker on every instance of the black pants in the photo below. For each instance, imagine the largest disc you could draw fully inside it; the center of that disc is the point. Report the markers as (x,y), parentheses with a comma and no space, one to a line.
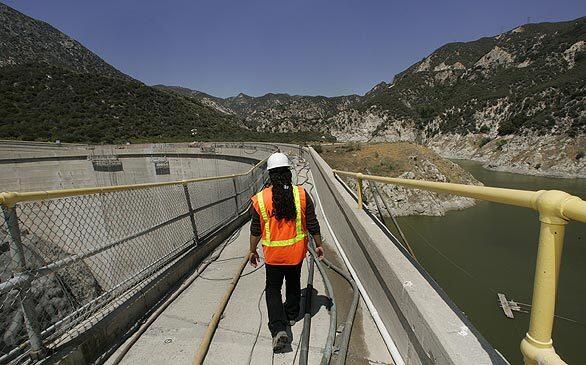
(279,313)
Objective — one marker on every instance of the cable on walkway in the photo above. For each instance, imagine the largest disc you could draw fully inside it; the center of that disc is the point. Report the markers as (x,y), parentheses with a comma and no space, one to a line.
(305,334)
(243,275)
(259,327)
(136,336)
(204,346)
(304,343)
(329,346)
(349,322)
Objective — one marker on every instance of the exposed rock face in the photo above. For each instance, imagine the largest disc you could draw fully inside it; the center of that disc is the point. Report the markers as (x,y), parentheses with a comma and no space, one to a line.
(495,58)
(404,201)
(558,156)
(403,160)
(355,126)
(575,50)
(53,296)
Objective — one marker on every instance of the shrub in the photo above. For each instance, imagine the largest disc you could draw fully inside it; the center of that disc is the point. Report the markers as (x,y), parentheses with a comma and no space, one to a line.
(484,141)
(484,129)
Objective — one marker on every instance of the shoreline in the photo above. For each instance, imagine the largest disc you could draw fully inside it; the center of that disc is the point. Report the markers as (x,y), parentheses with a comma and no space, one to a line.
(520,171)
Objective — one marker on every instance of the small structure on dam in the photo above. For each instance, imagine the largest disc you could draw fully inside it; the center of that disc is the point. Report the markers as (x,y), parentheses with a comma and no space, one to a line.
(106,163)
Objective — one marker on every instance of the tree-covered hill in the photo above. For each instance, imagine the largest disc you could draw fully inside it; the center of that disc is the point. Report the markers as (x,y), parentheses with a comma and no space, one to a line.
(42,102)
(53,88)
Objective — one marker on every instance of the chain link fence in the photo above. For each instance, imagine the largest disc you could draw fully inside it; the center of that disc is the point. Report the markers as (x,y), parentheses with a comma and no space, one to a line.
(66,261)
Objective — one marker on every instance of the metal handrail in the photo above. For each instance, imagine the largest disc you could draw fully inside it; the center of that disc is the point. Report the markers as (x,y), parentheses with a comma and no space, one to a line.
(8,199)
(555,209)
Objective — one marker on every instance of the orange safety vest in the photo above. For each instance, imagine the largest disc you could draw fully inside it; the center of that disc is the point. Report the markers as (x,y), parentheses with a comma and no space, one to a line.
(283,242)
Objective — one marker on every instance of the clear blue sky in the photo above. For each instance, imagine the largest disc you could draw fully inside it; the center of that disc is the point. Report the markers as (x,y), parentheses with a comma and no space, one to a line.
(311,47)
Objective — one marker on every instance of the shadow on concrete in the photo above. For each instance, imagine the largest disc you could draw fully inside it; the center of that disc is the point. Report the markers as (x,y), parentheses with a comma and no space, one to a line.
(317,302)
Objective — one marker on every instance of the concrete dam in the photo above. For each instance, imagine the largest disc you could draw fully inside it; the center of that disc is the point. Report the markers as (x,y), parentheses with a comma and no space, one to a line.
(128,254)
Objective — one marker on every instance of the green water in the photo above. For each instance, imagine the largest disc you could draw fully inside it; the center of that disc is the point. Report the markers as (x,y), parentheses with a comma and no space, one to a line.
(490,248)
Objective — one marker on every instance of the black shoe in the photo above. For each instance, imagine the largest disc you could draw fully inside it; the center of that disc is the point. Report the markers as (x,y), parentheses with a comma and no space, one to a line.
(291,322)
(279,341)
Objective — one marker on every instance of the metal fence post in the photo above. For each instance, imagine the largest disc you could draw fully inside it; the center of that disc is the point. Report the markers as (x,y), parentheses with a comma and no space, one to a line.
(191,214)
(19,268)
(359,190)
(235,193)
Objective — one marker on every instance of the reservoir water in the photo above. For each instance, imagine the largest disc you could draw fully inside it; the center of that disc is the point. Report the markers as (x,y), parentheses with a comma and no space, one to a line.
(491,248)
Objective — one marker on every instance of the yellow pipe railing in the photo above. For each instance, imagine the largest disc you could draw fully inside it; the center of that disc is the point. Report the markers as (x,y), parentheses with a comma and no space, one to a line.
(9,199)
(555,209)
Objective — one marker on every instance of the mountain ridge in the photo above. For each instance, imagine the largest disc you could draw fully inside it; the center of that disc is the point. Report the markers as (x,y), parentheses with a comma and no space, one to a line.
(26,40)
(486,57)
(491,97)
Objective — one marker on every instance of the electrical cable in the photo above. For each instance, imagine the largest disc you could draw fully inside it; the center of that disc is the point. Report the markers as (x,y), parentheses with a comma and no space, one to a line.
(208,336)
(329,346)
(259,327)
(304,342)
(226,279)
(303,346)
(165,304)
(374,189)
(349,321)
(388,340)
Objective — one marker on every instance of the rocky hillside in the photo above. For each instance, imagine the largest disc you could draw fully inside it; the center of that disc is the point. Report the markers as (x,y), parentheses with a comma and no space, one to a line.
(276,112)
(515,101)
(24,40)
(405,160)
(529,79)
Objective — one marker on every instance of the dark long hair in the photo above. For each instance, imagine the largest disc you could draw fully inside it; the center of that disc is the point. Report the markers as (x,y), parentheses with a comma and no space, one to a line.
(283,201)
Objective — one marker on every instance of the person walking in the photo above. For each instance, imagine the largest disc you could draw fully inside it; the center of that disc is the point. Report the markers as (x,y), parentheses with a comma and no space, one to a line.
(282,217)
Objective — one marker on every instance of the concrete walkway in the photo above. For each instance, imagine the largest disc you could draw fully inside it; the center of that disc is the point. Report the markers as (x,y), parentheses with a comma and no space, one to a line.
(175,336)
(243,336)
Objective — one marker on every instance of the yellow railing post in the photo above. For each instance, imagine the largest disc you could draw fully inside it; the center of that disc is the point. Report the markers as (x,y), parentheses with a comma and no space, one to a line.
(537,346)
(359,189)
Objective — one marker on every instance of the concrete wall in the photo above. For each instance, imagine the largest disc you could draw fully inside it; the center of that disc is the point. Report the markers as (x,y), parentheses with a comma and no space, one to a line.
(425,324)
(31,168)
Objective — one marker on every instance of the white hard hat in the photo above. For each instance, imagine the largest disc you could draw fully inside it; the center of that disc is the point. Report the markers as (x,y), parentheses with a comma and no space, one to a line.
(278,160)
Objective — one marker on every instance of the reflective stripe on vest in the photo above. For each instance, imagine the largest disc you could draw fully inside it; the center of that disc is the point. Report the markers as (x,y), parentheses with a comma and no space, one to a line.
(265,217)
